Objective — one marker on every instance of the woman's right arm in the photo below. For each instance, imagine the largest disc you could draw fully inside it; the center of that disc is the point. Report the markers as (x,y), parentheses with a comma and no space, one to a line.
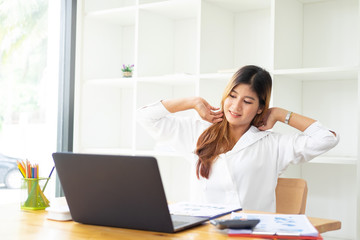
(204,109)
(182,133)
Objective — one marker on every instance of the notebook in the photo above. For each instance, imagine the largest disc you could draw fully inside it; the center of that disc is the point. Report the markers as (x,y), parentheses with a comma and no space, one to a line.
(118,191)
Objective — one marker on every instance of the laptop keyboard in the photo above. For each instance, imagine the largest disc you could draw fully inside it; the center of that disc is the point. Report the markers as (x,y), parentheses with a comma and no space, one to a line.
(181,222)
(178,223)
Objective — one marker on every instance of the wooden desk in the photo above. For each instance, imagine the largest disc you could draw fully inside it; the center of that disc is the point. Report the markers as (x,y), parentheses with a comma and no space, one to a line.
(17,224)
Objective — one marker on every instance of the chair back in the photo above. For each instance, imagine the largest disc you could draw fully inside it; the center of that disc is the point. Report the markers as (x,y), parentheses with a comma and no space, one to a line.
(291,194)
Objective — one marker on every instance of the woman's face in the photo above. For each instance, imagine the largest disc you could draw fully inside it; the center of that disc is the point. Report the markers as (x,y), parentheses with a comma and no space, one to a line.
(241,106)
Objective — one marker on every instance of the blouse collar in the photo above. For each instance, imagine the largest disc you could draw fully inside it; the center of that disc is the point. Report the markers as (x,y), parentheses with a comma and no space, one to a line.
(252,135)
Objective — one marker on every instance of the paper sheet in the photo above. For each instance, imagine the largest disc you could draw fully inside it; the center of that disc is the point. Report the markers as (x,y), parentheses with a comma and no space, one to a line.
(278,224)
(201,210)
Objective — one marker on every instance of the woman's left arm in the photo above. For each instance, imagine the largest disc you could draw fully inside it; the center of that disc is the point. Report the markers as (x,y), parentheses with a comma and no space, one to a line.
(295,120)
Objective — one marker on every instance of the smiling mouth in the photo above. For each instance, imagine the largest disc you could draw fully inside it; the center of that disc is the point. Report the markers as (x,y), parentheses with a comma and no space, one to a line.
(234,114)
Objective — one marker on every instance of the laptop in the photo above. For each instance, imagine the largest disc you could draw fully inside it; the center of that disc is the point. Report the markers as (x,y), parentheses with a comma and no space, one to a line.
(118,191)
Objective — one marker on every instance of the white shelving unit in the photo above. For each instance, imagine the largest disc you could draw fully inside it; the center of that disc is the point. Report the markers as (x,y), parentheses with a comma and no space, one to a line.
(192,47)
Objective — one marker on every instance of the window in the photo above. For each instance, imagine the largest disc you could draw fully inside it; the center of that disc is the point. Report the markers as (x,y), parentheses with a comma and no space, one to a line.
(29,76)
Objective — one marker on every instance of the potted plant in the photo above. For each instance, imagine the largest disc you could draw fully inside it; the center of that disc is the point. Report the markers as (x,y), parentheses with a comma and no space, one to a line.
(127,70)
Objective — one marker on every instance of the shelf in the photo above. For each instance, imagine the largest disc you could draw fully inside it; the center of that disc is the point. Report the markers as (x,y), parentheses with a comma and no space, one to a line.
(110,151)
(241,6)
(335,160)
(168,43)
(96,5)
(175,9)
(115,82)
(149,1)
(316,34)
(311,1)
(122,151)
(330,73)
(217,76)
(175,79)
(185,48)
(162,154)
(223,26)
(171,79)
(123,16)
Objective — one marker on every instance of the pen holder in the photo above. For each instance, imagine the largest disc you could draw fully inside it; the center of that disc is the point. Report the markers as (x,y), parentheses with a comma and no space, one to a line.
(32,196)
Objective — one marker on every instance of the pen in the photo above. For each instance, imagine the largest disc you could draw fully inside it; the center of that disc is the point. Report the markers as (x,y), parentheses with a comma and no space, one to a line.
(21,169)
(48,179)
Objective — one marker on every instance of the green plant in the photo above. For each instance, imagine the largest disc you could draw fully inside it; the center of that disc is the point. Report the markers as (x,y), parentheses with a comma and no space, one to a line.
(127,68)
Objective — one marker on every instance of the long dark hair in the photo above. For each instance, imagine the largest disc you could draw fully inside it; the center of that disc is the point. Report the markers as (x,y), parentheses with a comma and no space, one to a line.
(216,139)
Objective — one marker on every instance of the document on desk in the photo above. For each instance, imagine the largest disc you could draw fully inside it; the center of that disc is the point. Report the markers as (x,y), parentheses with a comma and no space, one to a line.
(289,226)
(202,210)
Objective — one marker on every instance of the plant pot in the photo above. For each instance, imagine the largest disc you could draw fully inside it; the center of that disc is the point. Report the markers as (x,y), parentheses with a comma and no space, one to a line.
(127,74)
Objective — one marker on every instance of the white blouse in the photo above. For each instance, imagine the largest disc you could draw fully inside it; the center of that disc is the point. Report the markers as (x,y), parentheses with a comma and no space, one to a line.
(247,175)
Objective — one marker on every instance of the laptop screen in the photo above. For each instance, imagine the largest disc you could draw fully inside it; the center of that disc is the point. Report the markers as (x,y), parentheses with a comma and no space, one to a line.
(119,191)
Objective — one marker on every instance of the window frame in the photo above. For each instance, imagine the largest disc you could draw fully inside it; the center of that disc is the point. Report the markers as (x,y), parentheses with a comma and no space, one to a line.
(65,131)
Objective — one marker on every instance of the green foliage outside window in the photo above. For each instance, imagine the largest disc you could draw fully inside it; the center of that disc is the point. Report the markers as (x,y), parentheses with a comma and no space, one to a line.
(23,57)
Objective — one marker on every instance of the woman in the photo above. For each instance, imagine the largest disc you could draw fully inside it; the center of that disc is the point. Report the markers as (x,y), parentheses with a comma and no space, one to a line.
(238,160)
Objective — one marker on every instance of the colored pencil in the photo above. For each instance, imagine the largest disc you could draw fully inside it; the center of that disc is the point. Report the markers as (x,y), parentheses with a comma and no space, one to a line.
(48,178)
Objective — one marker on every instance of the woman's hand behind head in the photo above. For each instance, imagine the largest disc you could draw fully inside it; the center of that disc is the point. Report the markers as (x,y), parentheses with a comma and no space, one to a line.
(269,119)
(208,112)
